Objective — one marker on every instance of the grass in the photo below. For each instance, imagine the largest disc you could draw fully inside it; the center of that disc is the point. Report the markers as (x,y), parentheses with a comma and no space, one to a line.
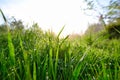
(33,54)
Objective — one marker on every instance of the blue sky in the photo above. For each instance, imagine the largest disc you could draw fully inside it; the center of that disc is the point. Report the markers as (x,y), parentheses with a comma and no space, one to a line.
(49,14)
(6,2)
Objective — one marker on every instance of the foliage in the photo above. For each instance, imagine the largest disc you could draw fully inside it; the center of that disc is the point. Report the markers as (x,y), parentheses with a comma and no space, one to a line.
(94,28)
(109,10)
(114,30)
(16,24)
(3,29)
(114,10)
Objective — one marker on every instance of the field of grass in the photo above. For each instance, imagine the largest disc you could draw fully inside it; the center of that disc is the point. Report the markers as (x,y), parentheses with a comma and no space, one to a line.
(33,54)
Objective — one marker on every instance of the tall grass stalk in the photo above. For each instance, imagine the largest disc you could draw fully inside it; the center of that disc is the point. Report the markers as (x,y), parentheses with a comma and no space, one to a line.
(34,71)
(26,62)
(10,46)
(51,69)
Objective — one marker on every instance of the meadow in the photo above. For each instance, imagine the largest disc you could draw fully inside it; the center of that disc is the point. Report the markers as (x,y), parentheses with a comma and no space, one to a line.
(34,54)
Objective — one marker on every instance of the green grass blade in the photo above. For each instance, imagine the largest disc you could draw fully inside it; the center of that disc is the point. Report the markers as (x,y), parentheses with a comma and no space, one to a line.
(10,44)
(26,66)
(11,50)
(51,64)
(104,71)
(60,32)
(56,61)
(64,40)
(34,71)
(44,71)
(3,16)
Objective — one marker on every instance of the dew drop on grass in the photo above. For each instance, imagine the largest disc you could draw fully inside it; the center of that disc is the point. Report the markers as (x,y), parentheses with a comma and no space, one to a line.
(108,75)
(109,63)
(94,78)
(34,49)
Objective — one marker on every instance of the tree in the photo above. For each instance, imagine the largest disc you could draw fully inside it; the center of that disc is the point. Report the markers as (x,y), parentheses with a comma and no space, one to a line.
(16,24)
(114,10)
(94,28)
(107,11)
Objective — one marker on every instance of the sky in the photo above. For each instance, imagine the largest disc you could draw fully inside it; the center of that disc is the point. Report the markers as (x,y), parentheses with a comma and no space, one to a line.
(49,14)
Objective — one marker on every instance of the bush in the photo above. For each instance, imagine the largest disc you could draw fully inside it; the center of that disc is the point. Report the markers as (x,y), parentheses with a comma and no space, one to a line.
(113,30)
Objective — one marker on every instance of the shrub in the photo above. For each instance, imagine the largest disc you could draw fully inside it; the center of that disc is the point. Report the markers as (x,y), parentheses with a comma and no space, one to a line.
(113,30)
